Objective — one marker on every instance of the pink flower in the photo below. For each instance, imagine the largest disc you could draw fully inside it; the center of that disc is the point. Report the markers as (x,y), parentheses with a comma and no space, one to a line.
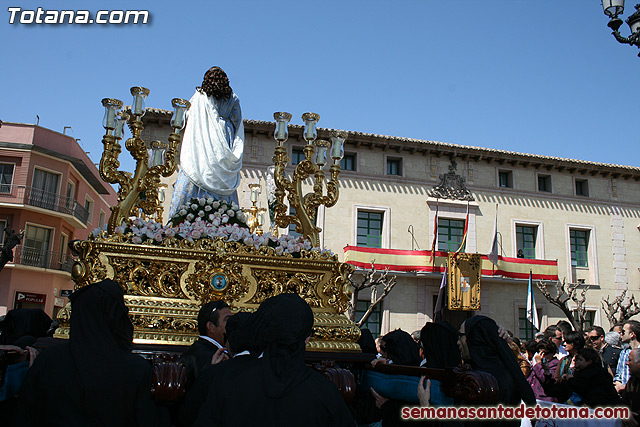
(136,240)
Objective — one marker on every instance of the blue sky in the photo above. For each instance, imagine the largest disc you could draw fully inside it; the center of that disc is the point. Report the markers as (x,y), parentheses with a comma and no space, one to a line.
(533,76)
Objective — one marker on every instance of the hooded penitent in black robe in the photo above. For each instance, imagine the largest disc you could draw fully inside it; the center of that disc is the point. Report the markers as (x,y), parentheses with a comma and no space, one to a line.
(401,348)
(490,353)
(439,344)
(276,389)
(93,379)
(22,322)
(197,395)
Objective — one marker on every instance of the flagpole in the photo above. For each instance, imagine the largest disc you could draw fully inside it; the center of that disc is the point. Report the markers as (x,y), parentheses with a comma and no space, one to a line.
(435,238)
(466,229)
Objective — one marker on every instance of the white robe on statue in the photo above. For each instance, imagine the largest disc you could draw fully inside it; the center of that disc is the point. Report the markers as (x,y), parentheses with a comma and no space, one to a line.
(212,149)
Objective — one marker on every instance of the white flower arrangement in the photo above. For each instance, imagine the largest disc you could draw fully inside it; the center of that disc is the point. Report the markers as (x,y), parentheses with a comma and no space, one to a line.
(226,221)
(211,211)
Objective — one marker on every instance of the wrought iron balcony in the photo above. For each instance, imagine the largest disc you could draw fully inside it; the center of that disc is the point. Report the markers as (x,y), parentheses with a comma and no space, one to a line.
(43,199)
(44,259)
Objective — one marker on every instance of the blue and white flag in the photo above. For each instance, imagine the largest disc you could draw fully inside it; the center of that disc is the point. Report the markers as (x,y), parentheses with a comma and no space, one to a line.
(532,312)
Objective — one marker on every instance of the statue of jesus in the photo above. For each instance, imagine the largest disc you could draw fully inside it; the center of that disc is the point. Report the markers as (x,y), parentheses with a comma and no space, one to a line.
(213,144)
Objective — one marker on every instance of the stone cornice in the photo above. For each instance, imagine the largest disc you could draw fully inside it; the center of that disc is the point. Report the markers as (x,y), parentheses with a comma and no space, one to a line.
(412,146)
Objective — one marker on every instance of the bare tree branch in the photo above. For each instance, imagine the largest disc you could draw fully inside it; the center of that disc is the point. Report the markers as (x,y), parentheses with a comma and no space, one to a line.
(370,280)
(623,307)
(565,292)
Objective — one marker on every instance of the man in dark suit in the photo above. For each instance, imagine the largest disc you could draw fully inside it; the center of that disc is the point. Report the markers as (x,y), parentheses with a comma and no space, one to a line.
(208,348)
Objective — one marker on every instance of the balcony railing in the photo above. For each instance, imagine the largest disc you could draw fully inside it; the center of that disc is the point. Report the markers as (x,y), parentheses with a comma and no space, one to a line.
(43,199)
(44,259)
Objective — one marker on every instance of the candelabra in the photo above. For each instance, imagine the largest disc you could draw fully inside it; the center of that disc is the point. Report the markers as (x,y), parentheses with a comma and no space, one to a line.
(256,214)
(613,8)
(138,191)
(315,158)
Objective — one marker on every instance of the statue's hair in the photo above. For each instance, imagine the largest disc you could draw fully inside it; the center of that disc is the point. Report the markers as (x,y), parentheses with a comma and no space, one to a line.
(216,83)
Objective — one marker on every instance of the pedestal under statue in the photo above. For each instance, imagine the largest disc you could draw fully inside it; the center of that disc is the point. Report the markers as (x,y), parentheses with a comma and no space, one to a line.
(213,144)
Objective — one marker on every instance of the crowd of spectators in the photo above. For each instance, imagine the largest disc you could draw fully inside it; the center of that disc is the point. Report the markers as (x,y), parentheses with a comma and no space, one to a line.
(250,369)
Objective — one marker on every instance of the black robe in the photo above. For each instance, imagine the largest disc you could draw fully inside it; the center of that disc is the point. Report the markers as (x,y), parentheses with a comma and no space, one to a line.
(490,353)
(93,379)
(197,357)
(238,399)
(52,394)
(276,389)
(197,394)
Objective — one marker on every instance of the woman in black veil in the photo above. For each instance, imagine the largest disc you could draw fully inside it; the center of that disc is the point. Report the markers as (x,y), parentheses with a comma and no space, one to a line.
(481,346)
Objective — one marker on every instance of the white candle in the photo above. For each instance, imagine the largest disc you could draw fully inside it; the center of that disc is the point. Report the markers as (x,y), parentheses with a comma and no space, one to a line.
(336,148)
(282,131)
(178,118)
(111,117)
(119,127)
(138,104)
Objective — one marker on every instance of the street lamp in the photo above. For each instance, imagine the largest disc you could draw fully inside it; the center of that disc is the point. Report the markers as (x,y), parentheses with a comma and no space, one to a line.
(613,8)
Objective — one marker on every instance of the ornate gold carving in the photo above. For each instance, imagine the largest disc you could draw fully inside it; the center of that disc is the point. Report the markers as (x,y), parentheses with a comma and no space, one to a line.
(166,283)
(199,284)
(148,277)
(276,282)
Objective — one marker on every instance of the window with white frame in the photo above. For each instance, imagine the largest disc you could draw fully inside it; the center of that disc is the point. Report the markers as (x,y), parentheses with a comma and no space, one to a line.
(44,189)
(450,234)
(36,246)
(579,241)
(6,177)
(526,237)
(62,254)
(370,225)
(88,205)
(71,191)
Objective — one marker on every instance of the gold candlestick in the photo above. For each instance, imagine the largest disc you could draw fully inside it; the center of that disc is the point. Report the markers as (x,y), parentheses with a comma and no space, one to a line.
(138,191)
(305,205)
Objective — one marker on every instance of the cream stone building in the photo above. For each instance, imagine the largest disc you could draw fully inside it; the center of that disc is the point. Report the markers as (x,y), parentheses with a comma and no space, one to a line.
(582,217)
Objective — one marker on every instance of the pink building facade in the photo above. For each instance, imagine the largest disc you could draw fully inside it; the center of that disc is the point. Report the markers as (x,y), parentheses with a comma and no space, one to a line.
(51,190)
